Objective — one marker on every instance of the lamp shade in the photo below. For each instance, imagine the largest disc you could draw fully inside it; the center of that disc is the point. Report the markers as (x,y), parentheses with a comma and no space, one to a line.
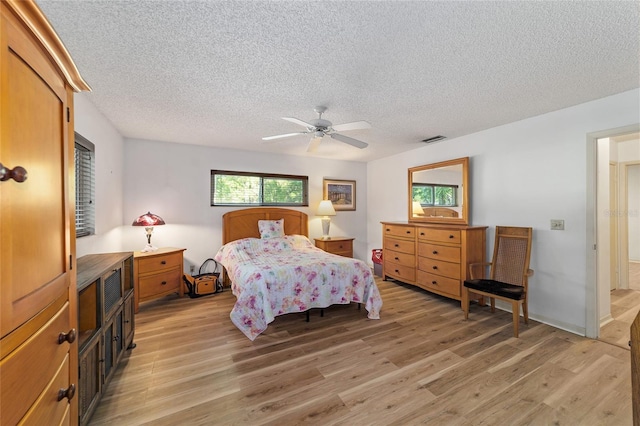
(417,209)
(148,219)
(325,209)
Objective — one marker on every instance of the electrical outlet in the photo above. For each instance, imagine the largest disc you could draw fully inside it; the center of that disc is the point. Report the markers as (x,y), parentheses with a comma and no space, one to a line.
(557,225)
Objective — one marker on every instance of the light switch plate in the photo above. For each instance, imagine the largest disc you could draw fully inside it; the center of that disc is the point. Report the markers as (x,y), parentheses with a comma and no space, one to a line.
(557,225)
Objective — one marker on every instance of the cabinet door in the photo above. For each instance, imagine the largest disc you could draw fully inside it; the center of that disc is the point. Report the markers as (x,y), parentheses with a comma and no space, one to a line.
(113,341)
(129,320)
(90,380)
(35,248)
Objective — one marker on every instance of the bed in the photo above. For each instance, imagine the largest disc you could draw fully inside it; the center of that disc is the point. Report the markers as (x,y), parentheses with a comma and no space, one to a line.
(274,269)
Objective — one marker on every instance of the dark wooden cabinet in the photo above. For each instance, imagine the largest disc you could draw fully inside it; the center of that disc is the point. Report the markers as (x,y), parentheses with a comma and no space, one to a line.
(106,324)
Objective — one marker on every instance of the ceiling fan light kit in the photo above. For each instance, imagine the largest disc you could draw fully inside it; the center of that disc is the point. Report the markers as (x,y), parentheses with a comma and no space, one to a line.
(320,127)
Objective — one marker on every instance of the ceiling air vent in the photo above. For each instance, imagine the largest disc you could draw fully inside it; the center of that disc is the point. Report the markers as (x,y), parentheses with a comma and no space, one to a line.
(434,139)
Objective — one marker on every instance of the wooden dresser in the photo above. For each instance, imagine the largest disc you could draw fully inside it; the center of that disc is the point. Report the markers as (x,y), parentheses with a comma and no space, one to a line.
(38,305)
(158,273)
(342,246)
(433,257)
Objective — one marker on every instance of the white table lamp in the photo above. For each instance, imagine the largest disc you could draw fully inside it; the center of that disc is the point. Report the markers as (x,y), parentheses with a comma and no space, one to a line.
(325,209)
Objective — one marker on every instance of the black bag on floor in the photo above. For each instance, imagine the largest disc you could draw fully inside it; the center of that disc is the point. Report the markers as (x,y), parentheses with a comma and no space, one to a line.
(204,283)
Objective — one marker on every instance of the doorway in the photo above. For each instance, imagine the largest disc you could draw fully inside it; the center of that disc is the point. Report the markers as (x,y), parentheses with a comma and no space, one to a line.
(617,254)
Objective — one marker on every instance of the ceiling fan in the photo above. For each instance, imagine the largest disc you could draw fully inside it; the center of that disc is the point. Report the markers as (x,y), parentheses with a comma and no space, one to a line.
(320,128)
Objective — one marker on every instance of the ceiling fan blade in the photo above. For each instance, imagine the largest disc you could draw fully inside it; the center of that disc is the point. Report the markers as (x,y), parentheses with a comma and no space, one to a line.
(286,135)
(300,122)
(356,125)
(350,141)
(314,143)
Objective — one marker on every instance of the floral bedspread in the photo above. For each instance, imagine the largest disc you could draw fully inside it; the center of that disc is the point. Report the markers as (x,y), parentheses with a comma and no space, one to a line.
(275,276)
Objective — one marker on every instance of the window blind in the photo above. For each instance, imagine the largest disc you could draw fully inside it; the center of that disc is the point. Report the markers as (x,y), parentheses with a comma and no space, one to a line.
(85,186)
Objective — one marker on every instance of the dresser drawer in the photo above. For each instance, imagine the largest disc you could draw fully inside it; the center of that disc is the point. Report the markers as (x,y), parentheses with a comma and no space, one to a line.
(402,246)
(342,247)
(439,284)
(435,251)
(156,263)
(158,284)
(41,356)
(48,410)
(399,231)
(401,272)
(439,267)
(400,258)
(439,235)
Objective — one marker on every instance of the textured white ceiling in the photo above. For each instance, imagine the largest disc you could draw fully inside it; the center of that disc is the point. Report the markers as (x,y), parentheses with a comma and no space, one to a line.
(222,73)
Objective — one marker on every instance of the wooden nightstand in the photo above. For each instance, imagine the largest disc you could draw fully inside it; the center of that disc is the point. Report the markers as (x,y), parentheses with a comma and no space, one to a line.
(157,274)
(337,245)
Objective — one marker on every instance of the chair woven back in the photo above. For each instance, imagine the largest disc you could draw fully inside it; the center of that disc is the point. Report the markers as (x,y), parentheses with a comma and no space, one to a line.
(511,254)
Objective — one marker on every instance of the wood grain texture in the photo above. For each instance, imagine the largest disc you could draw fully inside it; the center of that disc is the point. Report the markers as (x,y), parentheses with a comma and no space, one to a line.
(420,363)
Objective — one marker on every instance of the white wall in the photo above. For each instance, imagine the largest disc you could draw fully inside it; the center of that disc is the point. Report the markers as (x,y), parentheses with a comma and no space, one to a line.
(90,123)
(172,180)
(523,174)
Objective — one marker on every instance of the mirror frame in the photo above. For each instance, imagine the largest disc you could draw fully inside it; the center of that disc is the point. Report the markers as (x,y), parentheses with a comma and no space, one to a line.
(464,217)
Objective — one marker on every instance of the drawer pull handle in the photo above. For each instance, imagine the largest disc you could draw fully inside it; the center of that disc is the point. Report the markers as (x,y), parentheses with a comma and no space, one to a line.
(450,236)
(408,232)
(397,272)
(435,267)
(163,283)
(164,262)
(396,258)
(67,393)
(434,282)
(396,245)
(435,252)
(67,337)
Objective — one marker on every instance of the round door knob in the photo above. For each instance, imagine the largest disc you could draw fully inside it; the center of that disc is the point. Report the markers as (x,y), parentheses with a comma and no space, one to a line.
(67,393)
(67,337)
(19,173)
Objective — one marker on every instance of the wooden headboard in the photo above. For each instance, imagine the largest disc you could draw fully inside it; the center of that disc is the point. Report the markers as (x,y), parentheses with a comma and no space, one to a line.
(439,212)
(239,224)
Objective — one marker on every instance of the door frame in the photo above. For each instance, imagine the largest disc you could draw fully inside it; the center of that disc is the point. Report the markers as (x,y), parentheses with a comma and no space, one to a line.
(592,286)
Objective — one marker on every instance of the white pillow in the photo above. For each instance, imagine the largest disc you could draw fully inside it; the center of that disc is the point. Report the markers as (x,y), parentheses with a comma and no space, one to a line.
(271,228)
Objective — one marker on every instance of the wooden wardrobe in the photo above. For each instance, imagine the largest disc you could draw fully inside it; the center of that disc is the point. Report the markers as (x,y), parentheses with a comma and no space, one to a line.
(38,303)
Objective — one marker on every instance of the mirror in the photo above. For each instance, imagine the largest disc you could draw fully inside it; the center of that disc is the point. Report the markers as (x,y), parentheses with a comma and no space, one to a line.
(439,192)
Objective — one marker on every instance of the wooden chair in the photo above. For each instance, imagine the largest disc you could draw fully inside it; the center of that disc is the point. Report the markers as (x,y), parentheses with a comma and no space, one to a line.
(509,271)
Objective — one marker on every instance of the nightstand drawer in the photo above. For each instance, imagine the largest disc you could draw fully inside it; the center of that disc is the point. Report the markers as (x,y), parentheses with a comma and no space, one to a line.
(342,246)
(157,284)
(337,246)
(156,263)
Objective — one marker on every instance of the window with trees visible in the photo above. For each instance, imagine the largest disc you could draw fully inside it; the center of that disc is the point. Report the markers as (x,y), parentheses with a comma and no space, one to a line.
(428,194)
(230,188)
(84,155)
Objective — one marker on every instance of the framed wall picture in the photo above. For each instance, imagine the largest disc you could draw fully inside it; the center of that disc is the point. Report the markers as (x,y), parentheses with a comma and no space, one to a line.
(342,193)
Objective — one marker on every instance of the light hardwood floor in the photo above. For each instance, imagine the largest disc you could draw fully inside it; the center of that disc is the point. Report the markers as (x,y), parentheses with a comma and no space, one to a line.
(420,363)
(625,304)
